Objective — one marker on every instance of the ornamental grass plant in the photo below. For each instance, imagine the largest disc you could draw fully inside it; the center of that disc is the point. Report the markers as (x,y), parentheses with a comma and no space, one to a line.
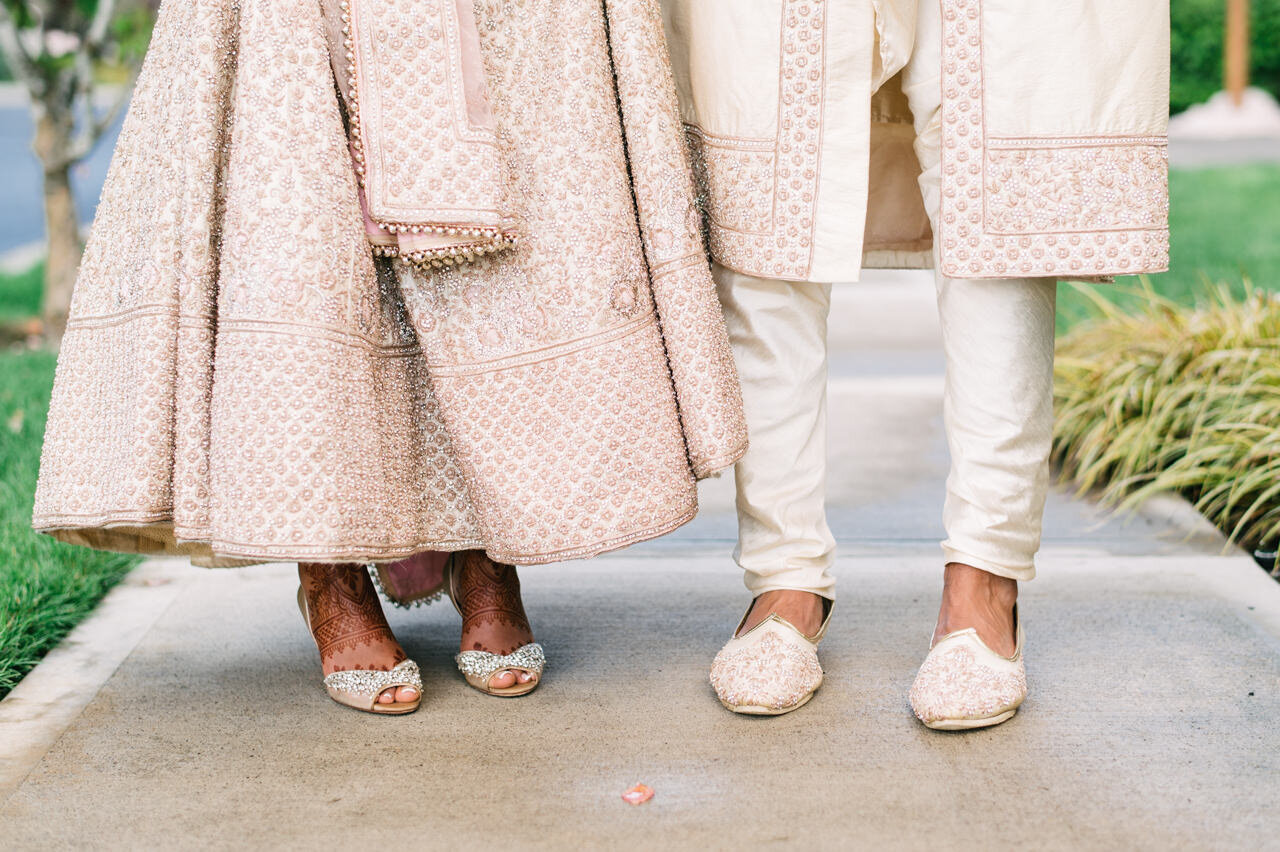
(1180,399)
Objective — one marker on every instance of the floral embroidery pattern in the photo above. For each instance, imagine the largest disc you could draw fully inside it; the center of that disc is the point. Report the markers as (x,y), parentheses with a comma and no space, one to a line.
(772,672)
(1095,188)
(762,195)
(1053,207)
(737,178)
(418,159)
(242,381)
(954,684)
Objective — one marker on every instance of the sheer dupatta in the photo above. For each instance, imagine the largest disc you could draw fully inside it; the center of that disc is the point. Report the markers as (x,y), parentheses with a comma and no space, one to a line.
(415,581)
(434,187)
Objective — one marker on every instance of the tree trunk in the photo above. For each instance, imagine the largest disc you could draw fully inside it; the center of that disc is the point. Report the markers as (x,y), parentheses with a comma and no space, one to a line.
(1236,55)
(61,224)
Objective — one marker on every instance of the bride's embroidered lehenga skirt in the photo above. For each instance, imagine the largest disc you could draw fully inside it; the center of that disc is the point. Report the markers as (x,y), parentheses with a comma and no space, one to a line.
(241,381)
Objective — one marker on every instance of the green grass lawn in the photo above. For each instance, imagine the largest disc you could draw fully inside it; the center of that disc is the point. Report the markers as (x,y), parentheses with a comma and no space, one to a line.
(20,295)
(46,587)
(1225,225)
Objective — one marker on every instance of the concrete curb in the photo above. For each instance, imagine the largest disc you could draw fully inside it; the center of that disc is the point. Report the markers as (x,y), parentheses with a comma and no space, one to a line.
(1247,586)
(50,698)
(1176,512)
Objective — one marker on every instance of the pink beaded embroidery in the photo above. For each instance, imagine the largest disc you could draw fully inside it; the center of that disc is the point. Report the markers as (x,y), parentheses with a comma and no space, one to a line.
(1022,207)
(954,684)
(761,195)
(771,673)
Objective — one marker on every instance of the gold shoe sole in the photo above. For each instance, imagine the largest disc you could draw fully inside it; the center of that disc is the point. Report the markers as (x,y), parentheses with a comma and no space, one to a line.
(378,709)
(510,692)
(393,709)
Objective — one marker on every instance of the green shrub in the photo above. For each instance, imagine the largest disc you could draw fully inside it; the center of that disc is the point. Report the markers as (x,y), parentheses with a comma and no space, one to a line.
(1178,399)
(1196,47)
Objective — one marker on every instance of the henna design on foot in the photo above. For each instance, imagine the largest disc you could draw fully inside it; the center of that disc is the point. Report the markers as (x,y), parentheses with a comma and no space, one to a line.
(347,616)
(489,597)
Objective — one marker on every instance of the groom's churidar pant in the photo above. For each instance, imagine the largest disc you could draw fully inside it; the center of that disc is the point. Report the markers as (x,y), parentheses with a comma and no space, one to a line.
(997,336)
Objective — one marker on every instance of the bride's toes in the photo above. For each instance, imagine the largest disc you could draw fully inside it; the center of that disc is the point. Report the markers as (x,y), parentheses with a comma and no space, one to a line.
(524,677)
(504,679)
(387,697)
(406,694)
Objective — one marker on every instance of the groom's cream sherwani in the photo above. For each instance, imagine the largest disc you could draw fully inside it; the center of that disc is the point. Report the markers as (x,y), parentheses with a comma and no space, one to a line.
(1016,141)
(1051,132)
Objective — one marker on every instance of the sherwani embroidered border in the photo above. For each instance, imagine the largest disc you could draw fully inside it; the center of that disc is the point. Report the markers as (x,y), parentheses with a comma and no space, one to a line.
(1048,169)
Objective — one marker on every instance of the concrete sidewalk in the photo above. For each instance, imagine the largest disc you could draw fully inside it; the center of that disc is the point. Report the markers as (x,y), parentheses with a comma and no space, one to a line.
(188,713)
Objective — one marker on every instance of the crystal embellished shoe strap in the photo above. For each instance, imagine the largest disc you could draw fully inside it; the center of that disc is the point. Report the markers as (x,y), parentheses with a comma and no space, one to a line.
(368,683)
(482,664)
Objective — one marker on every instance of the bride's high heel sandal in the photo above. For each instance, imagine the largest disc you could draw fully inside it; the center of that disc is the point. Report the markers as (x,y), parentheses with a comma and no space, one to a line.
(479,667)
(360,688)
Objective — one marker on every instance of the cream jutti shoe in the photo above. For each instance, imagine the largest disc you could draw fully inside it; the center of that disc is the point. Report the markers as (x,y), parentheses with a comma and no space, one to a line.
(769,670)
(964,684)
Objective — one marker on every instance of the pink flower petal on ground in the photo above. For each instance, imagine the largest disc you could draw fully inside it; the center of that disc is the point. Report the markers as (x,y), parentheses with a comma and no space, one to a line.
(638,794)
